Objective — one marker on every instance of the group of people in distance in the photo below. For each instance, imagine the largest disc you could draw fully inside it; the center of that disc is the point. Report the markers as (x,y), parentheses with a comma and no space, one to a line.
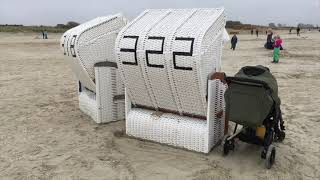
(257,32)
(274,43)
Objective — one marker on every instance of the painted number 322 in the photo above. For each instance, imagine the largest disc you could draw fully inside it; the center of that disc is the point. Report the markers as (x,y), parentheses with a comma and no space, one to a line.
(147,52)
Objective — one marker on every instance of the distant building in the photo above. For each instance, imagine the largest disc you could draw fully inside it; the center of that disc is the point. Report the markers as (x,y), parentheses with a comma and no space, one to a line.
(60,26)
(232,24)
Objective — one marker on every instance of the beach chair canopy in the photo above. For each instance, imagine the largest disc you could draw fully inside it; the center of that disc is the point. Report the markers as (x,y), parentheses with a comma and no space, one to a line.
(89,43)
(165,57)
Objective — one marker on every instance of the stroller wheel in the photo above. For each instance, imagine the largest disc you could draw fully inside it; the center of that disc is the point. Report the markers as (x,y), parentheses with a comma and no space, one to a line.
(280,136)
(227,145)
(270,157)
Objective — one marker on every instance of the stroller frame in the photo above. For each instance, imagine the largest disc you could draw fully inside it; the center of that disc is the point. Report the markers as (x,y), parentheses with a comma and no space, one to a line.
(273,124)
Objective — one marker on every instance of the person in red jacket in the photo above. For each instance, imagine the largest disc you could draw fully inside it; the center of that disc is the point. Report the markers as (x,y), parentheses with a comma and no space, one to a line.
(276,51)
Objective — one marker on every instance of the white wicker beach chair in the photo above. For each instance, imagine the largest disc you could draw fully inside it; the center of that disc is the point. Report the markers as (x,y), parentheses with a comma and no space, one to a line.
(89,50)
(165,58)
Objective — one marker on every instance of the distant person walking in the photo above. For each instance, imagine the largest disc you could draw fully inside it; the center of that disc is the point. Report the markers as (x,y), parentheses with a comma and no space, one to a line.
(234,41)
(257,32)
(251,31)
(298,31)
(290,30)
(42,34)
(45,34)
(276,50)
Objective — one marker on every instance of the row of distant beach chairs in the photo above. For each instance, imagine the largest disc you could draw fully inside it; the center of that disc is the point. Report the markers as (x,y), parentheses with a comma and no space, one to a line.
(154,72)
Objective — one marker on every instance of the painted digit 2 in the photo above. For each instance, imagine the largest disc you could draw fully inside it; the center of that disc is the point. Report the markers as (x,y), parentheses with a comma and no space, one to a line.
(69,48)
(155,52)
(175,53)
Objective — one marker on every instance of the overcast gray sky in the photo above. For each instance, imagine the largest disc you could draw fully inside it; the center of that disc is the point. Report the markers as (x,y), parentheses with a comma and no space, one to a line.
(52,12)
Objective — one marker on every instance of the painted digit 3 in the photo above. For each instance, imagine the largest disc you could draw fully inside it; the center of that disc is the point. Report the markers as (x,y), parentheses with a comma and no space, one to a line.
(131,50)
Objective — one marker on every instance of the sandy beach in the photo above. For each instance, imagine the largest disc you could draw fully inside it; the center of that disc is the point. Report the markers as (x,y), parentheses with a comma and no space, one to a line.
(44,135)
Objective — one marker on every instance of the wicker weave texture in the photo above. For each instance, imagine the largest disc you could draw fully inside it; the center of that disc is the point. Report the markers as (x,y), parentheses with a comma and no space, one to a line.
(103,106)
(84,46)
(189,133)
(181,131)
(216,106)
(164,57)
(109,87)
(88,104)
(89,43)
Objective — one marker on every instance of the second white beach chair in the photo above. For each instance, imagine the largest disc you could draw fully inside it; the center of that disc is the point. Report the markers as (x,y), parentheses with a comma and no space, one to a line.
(89,50)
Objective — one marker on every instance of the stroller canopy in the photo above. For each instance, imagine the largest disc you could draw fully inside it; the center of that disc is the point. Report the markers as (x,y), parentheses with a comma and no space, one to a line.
(251,96)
